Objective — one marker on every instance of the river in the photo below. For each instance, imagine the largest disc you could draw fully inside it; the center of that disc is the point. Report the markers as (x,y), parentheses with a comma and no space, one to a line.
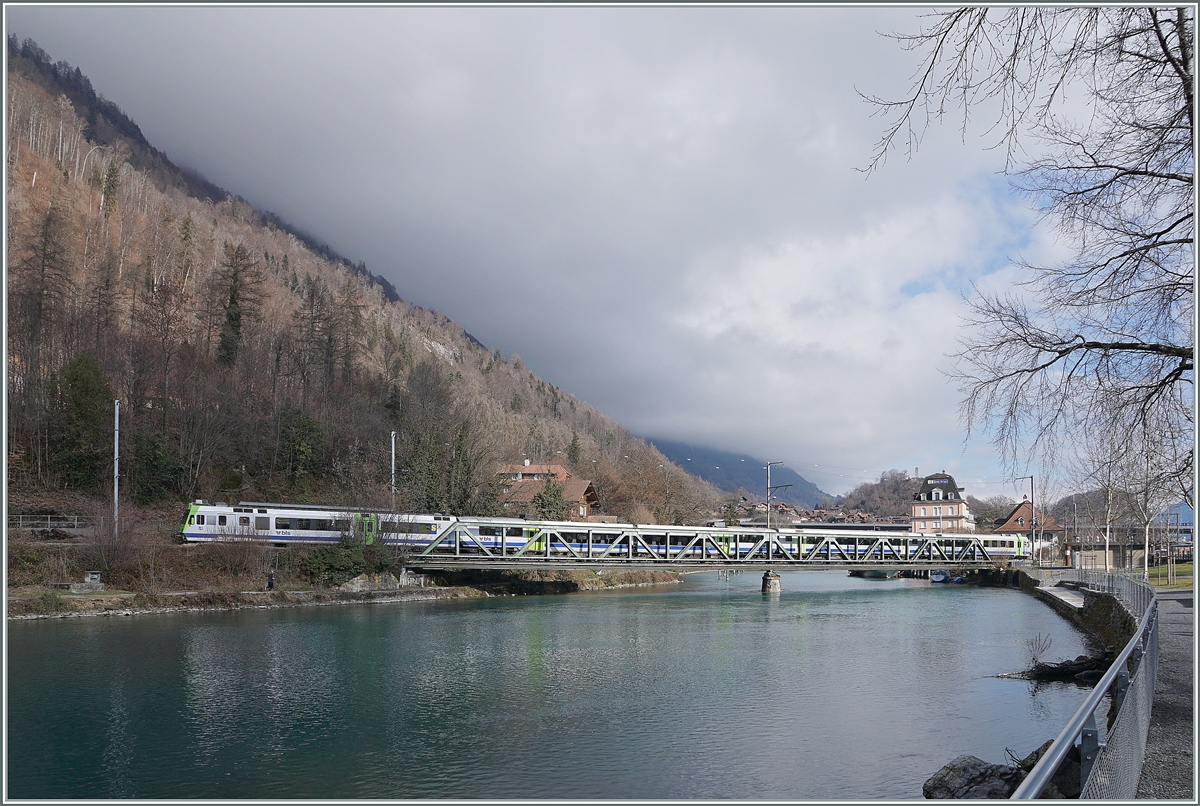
(836,688)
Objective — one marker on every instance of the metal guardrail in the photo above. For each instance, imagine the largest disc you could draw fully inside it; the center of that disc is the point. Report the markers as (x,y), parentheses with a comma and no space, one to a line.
(1110,765)
(50,521)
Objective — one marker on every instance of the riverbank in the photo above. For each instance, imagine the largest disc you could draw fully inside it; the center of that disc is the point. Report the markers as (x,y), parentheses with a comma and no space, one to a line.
(40,602)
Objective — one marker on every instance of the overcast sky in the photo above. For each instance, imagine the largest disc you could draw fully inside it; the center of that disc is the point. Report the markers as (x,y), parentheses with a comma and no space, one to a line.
(659,209)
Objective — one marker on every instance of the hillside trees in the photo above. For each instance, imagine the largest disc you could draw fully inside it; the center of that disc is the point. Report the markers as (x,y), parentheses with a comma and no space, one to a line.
(1113,322)
(445,462)
(248,366)
(891,495)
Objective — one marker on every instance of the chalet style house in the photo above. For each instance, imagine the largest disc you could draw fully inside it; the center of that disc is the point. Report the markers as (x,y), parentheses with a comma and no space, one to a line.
(939,507)
(520,483)
(1020,521)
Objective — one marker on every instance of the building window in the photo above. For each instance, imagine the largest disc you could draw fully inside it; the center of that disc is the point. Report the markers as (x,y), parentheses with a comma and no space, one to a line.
(937,524)
(937,510)
(923,513)
(922,524)
(937,495)
(949,510)
(1020,521)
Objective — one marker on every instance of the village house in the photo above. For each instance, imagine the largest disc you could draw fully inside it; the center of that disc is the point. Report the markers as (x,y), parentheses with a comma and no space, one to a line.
(1021,519)
(522,482)
(938,506)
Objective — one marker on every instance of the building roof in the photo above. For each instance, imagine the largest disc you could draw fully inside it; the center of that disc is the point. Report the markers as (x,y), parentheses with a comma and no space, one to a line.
(1013,521)
(552,471)
(574,490)
(938,481)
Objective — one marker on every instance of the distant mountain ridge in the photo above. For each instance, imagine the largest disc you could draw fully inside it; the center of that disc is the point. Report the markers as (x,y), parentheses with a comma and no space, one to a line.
(731,472)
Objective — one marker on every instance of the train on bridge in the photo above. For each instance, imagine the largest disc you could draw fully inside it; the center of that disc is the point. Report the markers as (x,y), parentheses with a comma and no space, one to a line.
(449,537)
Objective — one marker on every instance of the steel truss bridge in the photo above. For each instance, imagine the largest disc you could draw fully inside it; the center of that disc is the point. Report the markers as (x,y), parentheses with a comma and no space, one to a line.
(476,545)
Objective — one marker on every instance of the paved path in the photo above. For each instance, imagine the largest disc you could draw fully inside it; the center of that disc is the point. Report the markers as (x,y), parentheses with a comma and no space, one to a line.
(1072,597)
(1169,771)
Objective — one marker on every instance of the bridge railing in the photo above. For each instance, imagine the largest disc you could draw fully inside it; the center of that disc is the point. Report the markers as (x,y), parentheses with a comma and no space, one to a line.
(1112,754)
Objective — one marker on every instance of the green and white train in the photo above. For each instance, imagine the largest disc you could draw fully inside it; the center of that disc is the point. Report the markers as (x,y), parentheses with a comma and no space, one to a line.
(303,523)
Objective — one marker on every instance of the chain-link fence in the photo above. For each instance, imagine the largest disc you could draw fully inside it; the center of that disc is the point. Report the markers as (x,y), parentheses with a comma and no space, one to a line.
(1111,760)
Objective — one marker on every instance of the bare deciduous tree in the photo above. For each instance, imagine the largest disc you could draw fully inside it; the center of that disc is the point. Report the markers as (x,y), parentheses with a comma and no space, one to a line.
(1113,322)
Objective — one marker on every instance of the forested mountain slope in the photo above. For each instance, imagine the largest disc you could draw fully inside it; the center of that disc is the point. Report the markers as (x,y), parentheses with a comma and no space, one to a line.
(250,366)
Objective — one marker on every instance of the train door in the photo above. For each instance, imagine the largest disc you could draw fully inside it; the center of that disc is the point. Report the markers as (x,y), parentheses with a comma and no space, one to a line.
(365,527)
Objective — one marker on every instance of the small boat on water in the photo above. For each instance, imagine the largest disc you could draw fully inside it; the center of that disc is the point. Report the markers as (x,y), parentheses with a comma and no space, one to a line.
(875,573)
(939,576)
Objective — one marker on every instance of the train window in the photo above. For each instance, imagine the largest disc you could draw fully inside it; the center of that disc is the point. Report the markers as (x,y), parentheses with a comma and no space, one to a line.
(303,524)
(220,520)
(513,531)
(243,520)
(342,525)
(1012,544)
(262,524)
(192,520)
(283,523)
(489,531)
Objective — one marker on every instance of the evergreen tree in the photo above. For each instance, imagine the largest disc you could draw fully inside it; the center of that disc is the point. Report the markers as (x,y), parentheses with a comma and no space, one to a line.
(301,445)
(550,504)
(81,432)
(241,282)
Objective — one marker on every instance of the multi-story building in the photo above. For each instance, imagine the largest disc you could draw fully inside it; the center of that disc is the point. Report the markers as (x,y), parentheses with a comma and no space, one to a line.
(939,507)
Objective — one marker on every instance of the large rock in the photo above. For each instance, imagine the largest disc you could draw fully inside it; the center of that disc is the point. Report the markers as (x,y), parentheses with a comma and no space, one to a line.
(1065,782)
(971,777)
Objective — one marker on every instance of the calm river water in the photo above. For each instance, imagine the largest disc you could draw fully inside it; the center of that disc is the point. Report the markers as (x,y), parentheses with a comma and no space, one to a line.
(836,688)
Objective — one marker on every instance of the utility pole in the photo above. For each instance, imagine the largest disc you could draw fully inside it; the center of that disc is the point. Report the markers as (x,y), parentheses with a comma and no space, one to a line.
(116,459)
(399,404)
(771,490)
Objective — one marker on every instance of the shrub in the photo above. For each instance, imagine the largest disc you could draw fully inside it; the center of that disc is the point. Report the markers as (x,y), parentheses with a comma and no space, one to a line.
(334,565)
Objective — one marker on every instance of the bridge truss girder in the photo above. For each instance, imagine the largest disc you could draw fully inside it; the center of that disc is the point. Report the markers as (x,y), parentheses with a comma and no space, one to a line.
(681,548)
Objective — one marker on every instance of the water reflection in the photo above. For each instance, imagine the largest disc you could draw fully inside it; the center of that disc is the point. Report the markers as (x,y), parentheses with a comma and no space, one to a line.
(705,690)
(118,750)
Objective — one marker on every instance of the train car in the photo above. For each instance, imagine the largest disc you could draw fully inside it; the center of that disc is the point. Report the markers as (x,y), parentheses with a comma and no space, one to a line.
(303,523)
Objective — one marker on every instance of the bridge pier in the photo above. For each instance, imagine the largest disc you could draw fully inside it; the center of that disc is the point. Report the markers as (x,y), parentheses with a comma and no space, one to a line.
(771,583)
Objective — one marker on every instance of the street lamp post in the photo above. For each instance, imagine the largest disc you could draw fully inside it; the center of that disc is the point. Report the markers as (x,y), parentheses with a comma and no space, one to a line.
(1032,519)
(393,471)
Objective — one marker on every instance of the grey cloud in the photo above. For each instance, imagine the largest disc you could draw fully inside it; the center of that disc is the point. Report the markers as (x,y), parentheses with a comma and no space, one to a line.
(571,170)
